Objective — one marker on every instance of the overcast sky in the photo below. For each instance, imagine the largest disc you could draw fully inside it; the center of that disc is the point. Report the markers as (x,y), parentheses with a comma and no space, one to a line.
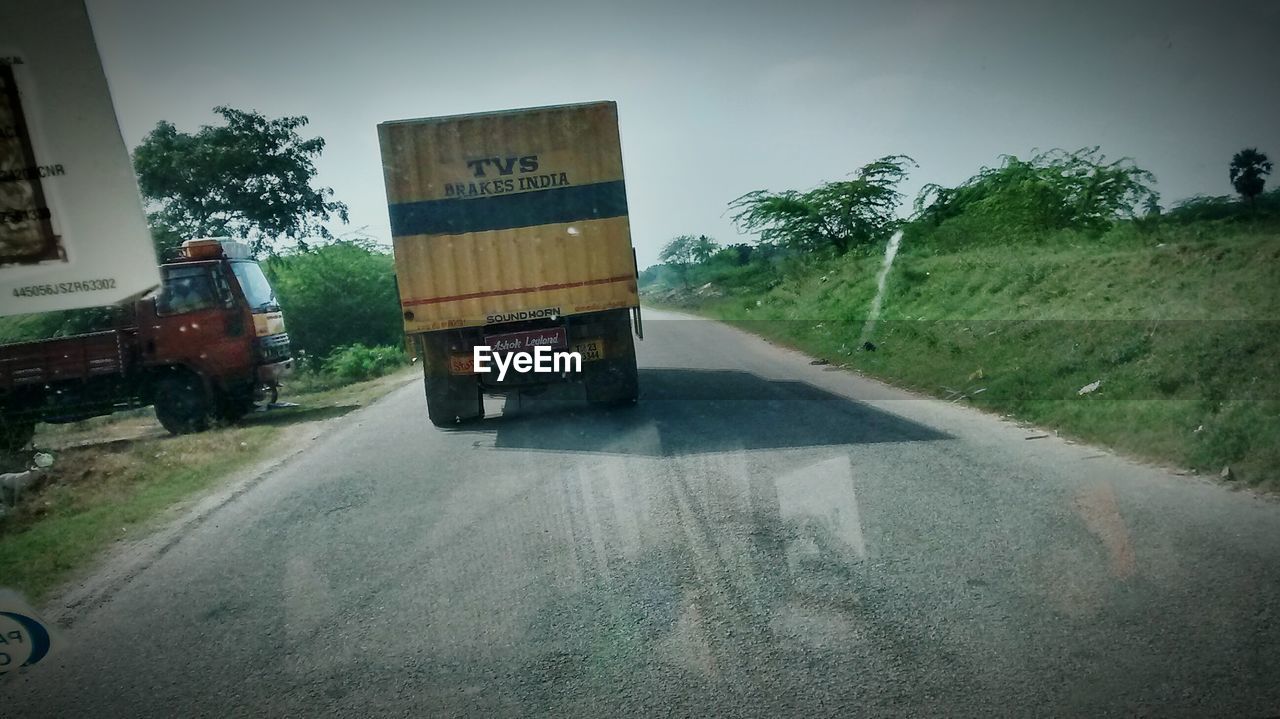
(719,98)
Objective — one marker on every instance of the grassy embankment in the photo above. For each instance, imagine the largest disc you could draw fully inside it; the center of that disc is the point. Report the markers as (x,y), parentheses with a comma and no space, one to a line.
(119,477)
(1179,323)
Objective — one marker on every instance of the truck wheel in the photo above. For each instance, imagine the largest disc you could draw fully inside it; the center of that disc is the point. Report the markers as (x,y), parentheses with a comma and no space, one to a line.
(233,409)
(452,400)
(182,405)
(615,385)
(615,381)
(15,434)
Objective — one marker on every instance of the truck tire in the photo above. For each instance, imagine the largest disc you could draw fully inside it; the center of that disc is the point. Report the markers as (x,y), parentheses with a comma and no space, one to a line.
(616,384)
(231,410)
(15,433)
(452,400)
(182,404)
(615,381)
(233,406)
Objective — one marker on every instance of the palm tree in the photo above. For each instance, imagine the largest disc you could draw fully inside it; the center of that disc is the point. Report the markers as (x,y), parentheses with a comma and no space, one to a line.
(703,248)
(1249,170)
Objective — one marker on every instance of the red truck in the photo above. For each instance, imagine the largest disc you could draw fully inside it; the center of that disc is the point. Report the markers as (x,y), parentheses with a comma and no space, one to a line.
(205,345)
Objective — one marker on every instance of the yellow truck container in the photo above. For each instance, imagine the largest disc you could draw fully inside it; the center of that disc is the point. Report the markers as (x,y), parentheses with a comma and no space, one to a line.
(510,230)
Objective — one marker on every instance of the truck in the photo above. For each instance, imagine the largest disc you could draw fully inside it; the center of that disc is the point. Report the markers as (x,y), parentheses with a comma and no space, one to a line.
(510,230)
(206,345)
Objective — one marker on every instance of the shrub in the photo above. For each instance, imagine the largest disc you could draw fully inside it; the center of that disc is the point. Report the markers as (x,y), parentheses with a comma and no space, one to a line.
(1052,191)
(336,295)
(354,363)
(1229,209)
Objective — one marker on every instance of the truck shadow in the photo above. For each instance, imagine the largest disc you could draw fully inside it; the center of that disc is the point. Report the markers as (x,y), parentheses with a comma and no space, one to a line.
(687,411)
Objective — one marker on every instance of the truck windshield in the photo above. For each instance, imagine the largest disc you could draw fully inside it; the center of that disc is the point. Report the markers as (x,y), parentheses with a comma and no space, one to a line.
(257,290)
(186,289)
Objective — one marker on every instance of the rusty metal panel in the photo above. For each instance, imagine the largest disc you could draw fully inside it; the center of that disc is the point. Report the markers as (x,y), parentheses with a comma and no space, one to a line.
(80,357)
(103,354)
(500,216)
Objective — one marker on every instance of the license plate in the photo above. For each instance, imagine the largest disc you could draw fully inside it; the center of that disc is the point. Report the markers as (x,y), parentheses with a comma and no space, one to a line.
(461,364)
(554,338)
(591,350)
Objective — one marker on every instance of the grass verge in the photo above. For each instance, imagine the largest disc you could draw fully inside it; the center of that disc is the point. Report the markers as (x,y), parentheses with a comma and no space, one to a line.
(1180,331)
(115,477)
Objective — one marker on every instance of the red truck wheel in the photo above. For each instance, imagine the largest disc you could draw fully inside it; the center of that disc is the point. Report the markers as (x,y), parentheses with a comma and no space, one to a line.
(182,404)
(232,409)
(15,434)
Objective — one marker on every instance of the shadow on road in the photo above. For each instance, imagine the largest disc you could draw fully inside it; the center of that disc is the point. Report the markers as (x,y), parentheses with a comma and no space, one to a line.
(686,411)
(296,415)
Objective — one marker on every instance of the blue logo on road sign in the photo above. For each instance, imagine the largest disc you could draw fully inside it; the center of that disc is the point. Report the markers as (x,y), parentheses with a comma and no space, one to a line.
(23,641)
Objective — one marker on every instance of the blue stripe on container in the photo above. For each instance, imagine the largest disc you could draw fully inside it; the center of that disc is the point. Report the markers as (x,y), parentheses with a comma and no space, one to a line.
(454,216)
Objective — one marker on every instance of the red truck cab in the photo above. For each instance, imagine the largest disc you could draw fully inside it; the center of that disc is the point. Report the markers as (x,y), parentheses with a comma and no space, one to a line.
(205,345)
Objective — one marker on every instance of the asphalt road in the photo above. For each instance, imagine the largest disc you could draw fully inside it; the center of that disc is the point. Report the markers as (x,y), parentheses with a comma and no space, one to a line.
(758,537)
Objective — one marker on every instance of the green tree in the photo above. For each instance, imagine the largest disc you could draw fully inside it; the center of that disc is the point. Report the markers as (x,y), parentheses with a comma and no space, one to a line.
(1052,190)
(678,254)
(249,178)
(703,248)
(742,252)
(338,294)
(859,212)
(1249,170)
